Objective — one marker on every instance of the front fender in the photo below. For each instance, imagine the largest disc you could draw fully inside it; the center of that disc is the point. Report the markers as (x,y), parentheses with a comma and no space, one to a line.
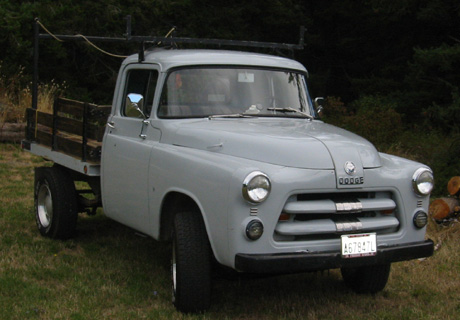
(202,176)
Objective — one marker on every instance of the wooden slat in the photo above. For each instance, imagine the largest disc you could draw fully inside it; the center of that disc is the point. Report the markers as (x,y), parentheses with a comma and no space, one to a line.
(69,125)
(95,132)
(98,113)
(100,134)
(44,138)
(73,126)
(72,107)
(68,128)
(74,148)
(69,146)
(45,119)
(75,108)
(97,117)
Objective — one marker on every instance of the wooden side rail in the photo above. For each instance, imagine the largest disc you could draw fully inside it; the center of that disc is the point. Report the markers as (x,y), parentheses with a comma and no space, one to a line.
(75,128)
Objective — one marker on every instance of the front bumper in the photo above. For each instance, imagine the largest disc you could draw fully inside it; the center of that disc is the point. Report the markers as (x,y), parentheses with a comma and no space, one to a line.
(301,262)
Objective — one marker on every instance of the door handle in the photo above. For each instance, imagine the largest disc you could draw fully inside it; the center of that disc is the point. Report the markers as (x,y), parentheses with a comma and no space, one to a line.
(111,124)
(145,122)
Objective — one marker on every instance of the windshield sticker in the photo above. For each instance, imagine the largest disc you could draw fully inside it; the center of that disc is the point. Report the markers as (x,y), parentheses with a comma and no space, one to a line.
(245,77)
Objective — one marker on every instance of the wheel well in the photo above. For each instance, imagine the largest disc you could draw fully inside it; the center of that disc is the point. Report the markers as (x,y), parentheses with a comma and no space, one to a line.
(174,202)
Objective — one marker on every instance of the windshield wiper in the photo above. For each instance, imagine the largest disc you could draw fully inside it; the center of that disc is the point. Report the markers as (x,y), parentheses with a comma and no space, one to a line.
(291,110)
(234,115)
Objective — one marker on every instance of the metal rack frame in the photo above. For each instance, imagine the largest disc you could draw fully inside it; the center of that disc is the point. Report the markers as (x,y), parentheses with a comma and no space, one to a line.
(142,40)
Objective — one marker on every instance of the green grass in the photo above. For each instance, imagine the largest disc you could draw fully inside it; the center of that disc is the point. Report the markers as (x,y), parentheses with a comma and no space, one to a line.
(110,272)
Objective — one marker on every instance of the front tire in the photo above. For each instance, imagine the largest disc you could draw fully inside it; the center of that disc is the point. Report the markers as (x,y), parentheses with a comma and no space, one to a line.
(367,279)
(55,203)
(190,264)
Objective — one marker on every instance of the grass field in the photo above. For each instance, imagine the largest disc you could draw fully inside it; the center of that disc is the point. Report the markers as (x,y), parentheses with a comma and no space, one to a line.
(110,272)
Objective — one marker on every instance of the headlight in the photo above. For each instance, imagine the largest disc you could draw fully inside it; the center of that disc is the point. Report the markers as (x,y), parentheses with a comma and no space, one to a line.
(256,187)
(423,181)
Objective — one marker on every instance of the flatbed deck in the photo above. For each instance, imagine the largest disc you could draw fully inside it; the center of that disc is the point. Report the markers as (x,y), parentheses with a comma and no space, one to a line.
(87,168)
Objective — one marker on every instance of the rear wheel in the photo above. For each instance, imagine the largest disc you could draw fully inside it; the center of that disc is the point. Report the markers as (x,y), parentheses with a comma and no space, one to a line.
(55,202)
(367,279)
(190,263)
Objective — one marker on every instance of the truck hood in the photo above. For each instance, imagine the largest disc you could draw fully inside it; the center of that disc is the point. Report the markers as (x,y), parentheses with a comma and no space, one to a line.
(281,141)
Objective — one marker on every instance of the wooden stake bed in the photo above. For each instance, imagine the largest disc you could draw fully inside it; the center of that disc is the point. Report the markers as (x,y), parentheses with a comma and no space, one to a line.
(74,129)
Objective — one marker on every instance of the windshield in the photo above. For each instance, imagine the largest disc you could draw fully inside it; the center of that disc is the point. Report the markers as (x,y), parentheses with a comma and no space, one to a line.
(210,91)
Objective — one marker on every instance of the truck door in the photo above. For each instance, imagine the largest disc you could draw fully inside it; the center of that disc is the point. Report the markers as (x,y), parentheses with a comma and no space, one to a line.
(127,146)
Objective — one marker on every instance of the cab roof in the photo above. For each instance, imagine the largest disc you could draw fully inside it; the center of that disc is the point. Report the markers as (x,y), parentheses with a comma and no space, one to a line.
(168,59)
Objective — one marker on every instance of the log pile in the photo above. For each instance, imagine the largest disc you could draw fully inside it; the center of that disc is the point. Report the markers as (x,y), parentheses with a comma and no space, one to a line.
(453,187)
(12,132)
(447,208)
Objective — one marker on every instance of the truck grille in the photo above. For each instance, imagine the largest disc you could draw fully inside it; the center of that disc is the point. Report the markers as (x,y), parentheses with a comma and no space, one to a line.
(327,216)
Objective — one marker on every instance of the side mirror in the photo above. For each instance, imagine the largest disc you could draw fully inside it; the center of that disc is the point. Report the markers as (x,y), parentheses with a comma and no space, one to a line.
(318,103)
(134,105)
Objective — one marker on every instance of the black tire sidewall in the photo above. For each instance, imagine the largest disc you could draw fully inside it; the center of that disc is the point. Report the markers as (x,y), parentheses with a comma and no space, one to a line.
(193,263)
(64,201)
(367,279)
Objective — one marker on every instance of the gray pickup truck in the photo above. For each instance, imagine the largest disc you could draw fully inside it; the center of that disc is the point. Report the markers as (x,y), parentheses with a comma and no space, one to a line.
(223,154)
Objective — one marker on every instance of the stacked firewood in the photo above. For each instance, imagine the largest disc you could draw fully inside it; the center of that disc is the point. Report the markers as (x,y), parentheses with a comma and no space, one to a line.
(12,132)
(447,208)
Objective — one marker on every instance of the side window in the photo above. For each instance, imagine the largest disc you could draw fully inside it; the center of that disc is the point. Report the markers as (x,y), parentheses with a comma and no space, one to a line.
(143,82)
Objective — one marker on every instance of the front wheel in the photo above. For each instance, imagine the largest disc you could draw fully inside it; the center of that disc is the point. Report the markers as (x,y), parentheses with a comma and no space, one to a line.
(367,279)
(190,263)
(55,202)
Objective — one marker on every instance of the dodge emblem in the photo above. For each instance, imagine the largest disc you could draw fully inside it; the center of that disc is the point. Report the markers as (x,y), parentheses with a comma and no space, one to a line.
(350,168)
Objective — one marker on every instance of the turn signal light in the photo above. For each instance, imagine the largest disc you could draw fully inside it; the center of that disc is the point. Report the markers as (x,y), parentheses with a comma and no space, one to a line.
(284,217)
(389,211)
(254,229)
(420,219)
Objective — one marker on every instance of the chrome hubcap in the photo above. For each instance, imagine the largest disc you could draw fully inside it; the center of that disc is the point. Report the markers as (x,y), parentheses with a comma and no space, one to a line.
(44,205)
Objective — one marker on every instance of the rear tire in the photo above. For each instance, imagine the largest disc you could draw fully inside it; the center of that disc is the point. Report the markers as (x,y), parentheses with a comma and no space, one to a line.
(367,279)
(190,264)
(55,203)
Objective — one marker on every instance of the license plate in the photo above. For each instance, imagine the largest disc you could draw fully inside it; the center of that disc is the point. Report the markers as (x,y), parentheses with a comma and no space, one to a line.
(359,245)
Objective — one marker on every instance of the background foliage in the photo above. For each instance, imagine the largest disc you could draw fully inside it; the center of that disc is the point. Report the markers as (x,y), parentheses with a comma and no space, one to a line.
(389,68)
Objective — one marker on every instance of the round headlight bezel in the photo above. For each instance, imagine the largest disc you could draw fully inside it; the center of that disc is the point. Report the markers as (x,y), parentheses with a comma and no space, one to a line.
(256,187)
(423,182)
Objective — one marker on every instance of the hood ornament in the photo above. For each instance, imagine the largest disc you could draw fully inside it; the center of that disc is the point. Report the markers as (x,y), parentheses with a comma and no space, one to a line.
(350,168)
(356,178)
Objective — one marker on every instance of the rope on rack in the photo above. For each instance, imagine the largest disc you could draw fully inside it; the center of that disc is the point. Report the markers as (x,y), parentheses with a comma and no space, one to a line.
(84,38)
